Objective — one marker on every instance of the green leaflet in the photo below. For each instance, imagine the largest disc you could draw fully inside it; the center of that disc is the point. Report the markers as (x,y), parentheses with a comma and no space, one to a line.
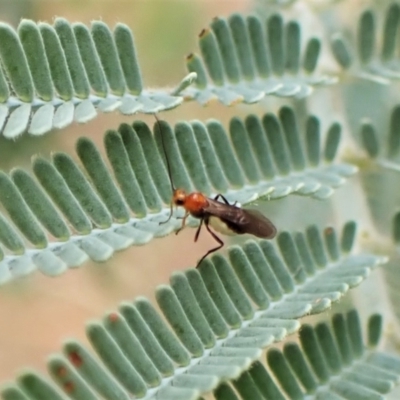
(215,323)
(65,72)
(248,58)
(391,271)
(265,158)
(361,56)
(332,363)
(381,146)
(68,72)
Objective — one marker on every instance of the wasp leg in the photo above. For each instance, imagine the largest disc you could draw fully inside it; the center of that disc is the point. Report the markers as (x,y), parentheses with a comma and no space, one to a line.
(183,223)
(169,217)
(221,244)
(196,236)
(222,197)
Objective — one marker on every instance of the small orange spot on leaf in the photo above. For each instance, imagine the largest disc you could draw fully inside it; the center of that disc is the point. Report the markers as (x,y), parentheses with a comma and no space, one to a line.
(62,371)
(113,317)
(75,359)
(69,387)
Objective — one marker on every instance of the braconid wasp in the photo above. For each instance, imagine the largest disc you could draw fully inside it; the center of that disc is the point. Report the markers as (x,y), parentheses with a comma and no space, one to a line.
(223,217)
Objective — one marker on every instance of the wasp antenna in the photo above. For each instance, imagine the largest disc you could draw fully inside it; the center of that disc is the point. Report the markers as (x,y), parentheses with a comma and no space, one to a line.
(165,153)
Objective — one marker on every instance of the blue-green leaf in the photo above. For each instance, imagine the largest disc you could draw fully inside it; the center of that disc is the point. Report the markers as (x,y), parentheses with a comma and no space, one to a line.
(214,323)
(112,208)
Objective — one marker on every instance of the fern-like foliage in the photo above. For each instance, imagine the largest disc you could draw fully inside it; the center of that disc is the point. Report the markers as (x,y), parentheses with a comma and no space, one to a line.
(219,319)
(380,177)
(332,363)
(391,271)
(53,75)
(94,214)
(248,58)
(380,167)
(367,57)
(383,147)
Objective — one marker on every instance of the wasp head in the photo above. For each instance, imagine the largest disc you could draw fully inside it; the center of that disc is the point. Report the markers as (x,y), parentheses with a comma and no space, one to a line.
(179,197)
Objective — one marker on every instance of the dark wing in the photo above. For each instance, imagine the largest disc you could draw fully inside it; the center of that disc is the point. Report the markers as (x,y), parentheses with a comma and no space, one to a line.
(241,220)
(259,225)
